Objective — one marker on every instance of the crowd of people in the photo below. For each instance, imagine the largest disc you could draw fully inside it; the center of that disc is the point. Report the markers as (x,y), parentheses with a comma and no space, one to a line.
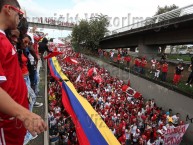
(131,118)
(158,68)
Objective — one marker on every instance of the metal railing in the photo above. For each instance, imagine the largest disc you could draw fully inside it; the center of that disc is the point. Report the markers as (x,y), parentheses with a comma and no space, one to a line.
(176,13)
(46,133)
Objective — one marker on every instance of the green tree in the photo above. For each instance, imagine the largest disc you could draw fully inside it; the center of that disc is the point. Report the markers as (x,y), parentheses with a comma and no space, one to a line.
(161,10)
(87,34)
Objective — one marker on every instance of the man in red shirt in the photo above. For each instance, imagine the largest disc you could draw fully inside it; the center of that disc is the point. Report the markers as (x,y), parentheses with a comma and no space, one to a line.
(164,71)
(15,117)
(127,59)
(143,65)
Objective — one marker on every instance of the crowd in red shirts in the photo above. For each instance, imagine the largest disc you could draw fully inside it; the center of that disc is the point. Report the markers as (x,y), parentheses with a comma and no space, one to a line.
(159,68)
(132,119)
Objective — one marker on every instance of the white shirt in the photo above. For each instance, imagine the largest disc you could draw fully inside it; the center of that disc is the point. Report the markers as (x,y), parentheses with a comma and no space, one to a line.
(127,135)
(133,129)
(113,131)
(148,143)
(31,58)
(1,31)
(175,119)
(112,53)
(100,99)
(159,141)
(95,96)
(57,110)
(32,37)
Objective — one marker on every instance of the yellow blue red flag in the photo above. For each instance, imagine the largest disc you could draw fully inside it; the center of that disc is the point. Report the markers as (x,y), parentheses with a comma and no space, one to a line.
(90,128)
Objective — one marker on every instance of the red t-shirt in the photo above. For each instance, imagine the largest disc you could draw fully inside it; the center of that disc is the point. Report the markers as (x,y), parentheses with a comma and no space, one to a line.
(143,63)
(118,57)
(165,68)
(11,78)
(24,68)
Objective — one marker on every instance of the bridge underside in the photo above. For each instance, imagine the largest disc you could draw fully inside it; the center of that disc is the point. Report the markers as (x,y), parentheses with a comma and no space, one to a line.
(175,32)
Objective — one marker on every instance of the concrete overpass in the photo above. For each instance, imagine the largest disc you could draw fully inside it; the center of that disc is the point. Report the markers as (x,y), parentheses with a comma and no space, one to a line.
(50,23)
(51,26)
(171,28)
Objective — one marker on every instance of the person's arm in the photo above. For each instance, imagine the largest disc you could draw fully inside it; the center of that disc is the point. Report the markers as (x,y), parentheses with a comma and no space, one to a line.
(32,122)
(46,49)
(33,53)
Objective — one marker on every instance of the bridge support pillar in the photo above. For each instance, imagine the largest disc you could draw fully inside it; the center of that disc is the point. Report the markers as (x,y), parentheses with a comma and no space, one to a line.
(163,47)
(148,51)
(132,49)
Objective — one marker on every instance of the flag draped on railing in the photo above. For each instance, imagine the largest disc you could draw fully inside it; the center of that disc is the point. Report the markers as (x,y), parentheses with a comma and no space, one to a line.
(90,128)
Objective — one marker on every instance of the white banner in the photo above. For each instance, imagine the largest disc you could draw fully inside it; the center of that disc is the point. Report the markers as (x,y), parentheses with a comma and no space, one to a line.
(173,136)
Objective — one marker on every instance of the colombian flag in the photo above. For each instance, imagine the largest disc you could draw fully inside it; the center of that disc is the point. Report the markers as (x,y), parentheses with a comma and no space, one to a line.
(90,128)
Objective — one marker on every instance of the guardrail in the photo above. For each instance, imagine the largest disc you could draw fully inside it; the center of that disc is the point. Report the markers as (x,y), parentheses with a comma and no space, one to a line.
(46,133)
(176,13)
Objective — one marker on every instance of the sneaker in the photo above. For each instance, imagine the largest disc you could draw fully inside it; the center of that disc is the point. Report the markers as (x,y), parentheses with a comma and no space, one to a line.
(186,84)
(190,85)
(28,138)
(37,104)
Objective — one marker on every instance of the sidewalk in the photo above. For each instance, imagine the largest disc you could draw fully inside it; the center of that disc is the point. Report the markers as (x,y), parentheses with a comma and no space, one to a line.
(41,110)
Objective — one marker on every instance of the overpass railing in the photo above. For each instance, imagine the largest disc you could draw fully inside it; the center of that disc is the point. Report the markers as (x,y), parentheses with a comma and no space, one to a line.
(176,13)
(50,21)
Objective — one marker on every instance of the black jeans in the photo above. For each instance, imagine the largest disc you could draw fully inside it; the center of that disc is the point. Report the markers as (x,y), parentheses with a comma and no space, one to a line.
(190,78)
(42,59)
(164,75)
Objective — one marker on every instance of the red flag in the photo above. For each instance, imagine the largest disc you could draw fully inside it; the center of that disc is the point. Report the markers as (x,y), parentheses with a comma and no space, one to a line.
(67,59)
(98,79)
(70,60)
(73,61)
(137,95)
(90,72)
(52,54)
(124,88)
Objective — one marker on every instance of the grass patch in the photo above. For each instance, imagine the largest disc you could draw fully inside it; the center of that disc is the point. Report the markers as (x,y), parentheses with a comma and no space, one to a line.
(185,57)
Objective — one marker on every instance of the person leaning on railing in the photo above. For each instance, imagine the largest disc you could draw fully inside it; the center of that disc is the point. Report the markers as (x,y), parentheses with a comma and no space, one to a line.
(43,46)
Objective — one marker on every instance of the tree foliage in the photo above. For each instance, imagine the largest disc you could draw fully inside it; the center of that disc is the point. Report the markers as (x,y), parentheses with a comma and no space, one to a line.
(161,10)
(87,34)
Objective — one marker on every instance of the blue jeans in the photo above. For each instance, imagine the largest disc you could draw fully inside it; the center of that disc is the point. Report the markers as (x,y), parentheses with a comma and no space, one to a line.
(36,82)
(30,91)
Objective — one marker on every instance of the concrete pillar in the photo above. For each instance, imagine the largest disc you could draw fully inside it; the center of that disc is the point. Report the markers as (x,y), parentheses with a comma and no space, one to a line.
(163,47)
(148,51)
(132,49)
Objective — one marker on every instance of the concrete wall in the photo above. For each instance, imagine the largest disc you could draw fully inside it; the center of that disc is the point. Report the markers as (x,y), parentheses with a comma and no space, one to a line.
(164,98)
(148,51)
